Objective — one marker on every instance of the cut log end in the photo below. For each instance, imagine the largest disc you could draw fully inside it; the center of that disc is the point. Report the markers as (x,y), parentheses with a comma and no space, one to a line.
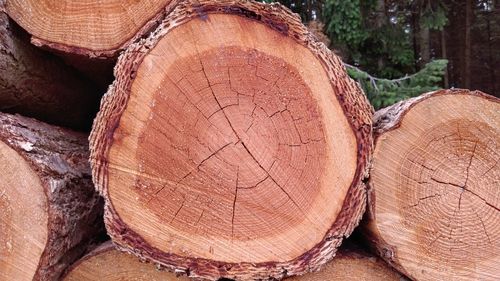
(107,263)
(221,156)
(435,204)
(353,264)
(49,208)
(20,214)
(230,135)
(89,28)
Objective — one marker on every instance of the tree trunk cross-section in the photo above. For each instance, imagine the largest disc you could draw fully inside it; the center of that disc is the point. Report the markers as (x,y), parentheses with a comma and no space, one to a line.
(91,28)
(106,263)
(434,196)
(232,144)
(353,264)
(49,209)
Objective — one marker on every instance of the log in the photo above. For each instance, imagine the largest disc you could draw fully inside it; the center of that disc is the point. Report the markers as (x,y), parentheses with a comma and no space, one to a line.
(91,29)
(232,144)
(107,263)
(39,85)
(50,210)
(353,263)
(434,193)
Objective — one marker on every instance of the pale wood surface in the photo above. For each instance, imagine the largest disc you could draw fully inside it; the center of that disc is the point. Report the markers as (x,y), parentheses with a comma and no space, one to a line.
(275,197)
(105,263)
(90,27)
(49,208)
(435,186)
(353,265)
(232,144)
(23,219)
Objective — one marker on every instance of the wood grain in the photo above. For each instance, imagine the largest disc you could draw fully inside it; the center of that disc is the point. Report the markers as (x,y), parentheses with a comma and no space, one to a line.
(434,185)
(106,263)
(232,144)
(87,27)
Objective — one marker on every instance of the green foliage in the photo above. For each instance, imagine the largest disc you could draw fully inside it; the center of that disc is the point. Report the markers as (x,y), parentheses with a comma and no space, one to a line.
(378,37)
(384,92)
(368,38)
(434,17)
(344,22)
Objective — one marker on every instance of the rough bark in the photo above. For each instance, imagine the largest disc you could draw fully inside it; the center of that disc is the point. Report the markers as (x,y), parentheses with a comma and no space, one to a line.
(149,177)
(105,261)
(425,45)
(59,160)
(38,84)
(433,208)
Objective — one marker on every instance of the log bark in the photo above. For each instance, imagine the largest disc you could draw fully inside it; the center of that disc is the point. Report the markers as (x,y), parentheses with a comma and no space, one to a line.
(38,84)
(433,188)
(49,207)
(353,263)
(107,263)
(88,28)
(232,144)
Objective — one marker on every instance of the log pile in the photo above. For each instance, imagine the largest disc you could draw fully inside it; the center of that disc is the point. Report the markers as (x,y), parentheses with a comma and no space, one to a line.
(231,144)
(50,212)
(39,85)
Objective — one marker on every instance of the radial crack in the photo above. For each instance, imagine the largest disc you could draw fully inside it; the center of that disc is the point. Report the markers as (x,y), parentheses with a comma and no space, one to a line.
(423,199)
(234,203)
(470,163)
(212,155)
(486,202)
(253,186)
(482,223)
(178,210)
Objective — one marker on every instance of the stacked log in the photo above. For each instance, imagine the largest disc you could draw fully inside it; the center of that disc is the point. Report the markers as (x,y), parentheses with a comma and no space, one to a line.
(88,28)
(353,263)
(434,196)
(107,263)
(50,211)
(39,85)
(231,144)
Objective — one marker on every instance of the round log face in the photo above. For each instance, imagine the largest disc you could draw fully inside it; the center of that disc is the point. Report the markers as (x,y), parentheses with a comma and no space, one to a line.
(108,264)
(232,148)
(435,179)
(87,26)
(23,217)
(355,266)
(235,162)
(223,149)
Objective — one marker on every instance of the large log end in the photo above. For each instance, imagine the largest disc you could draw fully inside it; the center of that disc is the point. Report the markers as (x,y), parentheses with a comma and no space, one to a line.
(232,144)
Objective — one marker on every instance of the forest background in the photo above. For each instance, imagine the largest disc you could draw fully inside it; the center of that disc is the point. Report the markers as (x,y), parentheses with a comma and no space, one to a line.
(398,49)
